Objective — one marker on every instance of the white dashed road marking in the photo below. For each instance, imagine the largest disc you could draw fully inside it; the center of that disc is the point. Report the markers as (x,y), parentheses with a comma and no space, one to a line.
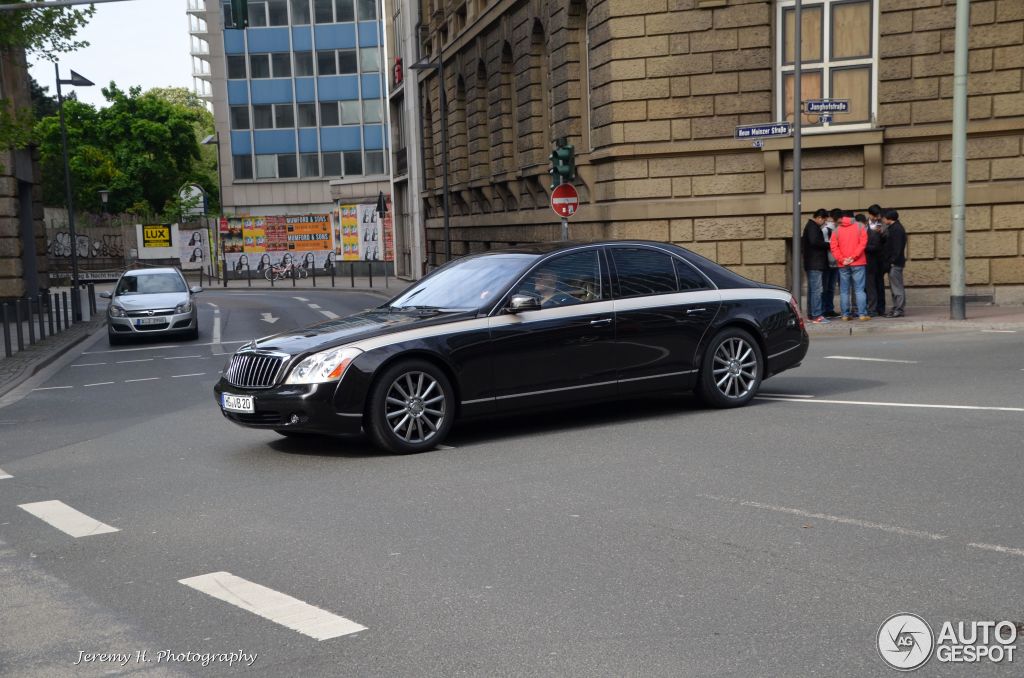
(88,364)
(139,360)
(194,374)
(785,395)
(67,519)
(99,383)
(300,298)
(315,307)
(997,548)
(816,401)
(870,360)
(1000,331)
(278,607)
(4,474)
(330,316)
(182,357)
(129,381)
(50,388)
(154,348)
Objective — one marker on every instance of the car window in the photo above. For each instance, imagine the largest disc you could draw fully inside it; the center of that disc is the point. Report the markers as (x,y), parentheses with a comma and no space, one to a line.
(643,271)
(465,284)
(689,278)
(569,279)
(154,283)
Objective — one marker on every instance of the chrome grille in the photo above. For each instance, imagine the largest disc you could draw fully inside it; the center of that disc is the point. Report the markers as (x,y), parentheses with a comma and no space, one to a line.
(147,314)
(253,370)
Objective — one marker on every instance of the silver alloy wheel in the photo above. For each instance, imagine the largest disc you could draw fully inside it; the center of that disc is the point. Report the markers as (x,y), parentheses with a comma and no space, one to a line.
(735,367)
(415,407)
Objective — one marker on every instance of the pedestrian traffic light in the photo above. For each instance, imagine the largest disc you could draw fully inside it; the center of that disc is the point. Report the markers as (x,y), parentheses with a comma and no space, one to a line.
(239,13)
(563,165)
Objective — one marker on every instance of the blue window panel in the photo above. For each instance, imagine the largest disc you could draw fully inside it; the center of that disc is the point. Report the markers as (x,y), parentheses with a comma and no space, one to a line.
(339,139)
(268,40)
(305,90)
(241,143)
(302,39)
(238,92)
(307,141)
(335,36)
(338,87)
(374,135)
(272,91)
(234,41)
(367,34)
(274,141)
(371,86)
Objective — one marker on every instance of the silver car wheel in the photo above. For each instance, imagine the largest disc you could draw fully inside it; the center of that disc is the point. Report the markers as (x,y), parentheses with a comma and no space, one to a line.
(735,368)
(415,407)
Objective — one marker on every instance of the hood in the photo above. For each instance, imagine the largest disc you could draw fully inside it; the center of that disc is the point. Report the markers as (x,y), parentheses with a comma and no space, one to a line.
(143,302)
(846,222)
(347,330)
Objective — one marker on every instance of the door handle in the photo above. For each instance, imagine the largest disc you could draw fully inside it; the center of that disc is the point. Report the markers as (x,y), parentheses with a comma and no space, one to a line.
(695,310)
(601,322)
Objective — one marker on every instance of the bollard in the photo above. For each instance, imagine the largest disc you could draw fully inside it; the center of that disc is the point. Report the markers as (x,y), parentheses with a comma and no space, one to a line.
(49,311)
(17,324)
(352,273)
(385,275)
(314,274)
(92,298)
(332,275)
(272,275)
(31,327)
(295,274)
(369,268)
(64,305)
(56,310)
(42,318)
(7,331)
(248,274)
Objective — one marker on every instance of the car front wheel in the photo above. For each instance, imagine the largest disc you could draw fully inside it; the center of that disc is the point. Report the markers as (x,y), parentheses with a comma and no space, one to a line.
(411,407)
(732,370)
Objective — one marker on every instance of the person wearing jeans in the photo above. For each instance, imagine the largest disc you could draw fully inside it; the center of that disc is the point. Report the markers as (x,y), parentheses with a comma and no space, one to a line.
(895,254)
(815,251)
(848,245)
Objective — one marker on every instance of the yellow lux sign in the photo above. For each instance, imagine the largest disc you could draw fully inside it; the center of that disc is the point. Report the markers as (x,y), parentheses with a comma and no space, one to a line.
(156,236)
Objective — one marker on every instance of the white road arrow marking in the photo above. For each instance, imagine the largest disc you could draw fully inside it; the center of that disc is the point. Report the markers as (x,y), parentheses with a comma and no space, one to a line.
(269,318)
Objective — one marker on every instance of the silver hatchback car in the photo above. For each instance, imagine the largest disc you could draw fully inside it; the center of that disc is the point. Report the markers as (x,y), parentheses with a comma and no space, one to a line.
(155,301)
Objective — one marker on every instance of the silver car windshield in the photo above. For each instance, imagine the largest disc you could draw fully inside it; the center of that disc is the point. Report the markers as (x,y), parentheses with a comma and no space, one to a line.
(153,283)
(466,284)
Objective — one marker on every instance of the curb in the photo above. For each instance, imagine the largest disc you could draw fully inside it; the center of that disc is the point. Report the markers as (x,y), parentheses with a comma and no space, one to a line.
(846,330)
(47,360)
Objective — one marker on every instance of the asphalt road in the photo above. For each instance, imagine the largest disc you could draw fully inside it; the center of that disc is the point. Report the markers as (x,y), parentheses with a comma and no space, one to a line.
(649,538)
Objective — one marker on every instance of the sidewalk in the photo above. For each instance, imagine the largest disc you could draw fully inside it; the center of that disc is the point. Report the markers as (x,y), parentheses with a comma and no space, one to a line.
(23,364)
(929,319)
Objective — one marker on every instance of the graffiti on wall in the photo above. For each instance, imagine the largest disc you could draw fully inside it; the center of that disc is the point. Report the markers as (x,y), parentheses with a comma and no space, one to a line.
(88,247)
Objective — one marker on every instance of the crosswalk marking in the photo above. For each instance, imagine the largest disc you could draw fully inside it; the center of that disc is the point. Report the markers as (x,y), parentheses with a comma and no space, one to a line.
(278,607)
(330,315)
(67,519)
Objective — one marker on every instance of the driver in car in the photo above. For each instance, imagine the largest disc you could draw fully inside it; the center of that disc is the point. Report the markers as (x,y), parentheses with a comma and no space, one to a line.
(546,287)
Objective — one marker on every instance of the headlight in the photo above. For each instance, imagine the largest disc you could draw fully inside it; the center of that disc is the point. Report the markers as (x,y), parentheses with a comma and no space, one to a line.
(323,367)
(185,307)
(117,312)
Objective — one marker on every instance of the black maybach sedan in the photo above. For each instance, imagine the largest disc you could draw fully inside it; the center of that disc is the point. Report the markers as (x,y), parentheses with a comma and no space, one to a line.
(530,327)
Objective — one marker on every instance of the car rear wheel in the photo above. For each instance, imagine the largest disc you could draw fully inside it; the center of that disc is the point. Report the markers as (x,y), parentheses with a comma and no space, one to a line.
(732,370)
(411,407)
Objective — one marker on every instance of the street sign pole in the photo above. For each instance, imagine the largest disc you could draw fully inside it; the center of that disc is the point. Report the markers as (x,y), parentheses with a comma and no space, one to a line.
(797,113)
(565,228)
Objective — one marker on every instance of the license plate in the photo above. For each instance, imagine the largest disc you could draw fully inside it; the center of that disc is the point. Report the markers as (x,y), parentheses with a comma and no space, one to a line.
(237,403)
(139,322)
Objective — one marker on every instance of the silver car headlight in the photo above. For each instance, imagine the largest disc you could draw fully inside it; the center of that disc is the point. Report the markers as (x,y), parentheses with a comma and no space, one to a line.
(323,367)
(184,307)
(117,312)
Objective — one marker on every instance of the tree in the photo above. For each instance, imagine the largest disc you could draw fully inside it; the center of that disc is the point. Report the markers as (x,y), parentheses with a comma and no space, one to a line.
(141,147)
(42,103)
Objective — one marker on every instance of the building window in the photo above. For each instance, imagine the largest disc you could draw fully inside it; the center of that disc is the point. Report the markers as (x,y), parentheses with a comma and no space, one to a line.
(300,12)
(281,65)
(369,58)
(239,117)
(350,113)
(367,10)
(303,64)
(284,115)
(839,47)
(266,166)
(287,166)
(323,11)
(353,162)
(347,62)
(329,114)
(278,12)
(243,166)
(309,165)
(332,164)
(307,115)
(374,162)
(236,67)
(259,66)
(263,117)
(326,63)
(372,111)
(343,11)
(257,14)
(229,21)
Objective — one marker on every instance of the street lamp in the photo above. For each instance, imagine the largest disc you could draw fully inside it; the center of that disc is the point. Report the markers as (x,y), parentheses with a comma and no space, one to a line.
(104,197)
(75,81)
(439,67)
(214,140)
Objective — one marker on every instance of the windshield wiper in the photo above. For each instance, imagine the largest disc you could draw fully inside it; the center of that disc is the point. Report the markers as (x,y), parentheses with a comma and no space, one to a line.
(425,309)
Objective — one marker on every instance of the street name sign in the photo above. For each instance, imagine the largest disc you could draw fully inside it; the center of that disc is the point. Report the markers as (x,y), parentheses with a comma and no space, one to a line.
(827,106)
(565,200)
(764,130)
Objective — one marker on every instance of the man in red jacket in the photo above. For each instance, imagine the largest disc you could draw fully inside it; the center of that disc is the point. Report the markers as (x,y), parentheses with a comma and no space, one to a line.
(848,244)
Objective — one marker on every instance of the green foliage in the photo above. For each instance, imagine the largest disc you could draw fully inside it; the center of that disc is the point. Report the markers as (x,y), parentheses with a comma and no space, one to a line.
(42,103)
(47,32)
(142,147)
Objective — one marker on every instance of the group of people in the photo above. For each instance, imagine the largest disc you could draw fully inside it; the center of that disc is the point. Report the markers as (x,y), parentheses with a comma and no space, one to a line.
(858,251)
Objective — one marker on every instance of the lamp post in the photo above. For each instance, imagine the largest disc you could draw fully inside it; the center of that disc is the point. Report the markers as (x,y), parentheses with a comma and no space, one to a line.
(104,197)
(439,67)
(75,81)
(214,140)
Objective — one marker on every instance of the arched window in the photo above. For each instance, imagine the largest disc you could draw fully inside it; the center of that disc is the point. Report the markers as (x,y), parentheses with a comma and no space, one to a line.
(578,46)
(507,112)
(429,151)
(480,137)
(536,132)
(459,138)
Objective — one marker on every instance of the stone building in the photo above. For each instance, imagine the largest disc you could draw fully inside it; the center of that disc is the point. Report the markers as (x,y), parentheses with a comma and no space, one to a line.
(23,265)
(650,91)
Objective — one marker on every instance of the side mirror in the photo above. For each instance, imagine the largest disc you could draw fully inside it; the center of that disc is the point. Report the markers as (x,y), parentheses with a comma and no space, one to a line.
(523,302)
(195,289)
(106,295)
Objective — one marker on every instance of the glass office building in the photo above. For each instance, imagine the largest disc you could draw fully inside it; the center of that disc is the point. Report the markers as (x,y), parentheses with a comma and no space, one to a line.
(298,97)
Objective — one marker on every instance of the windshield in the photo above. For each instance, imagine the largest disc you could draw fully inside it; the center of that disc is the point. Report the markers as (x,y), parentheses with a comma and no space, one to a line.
(153,283)
(467,284)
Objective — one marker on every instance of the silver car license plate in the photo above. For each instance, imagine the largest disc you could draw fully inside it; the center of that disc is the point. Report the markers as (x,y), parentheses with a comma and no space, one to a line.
(237,403)
(139,322)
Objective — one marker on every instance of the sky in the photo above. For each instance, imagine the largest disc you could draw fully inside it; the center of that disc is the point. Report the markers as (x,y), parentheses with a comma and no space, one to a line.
(137,42)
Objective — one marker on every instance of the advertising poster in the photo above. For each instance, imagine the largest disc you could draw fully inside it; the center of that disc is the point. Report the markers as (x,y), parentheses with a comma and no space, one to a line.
(348,236)
(388,230)
(157,241)
(371,241)
(194,249)
(310,240)
(156,235)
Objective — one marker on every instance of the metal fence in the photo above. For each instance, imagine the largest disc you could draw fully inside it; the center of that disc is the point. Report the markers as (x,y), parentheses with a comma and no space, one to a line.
(29,320)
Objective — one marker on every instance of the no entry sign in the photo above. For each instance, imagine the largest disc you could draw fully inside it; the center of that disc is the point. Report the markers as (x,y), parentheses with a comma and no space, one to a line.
(565,200)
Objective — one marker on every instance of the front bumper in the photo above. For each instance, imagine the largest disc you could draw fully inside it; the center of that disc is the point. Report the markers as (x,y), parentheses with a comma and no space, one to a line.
(177,322)
(306,408)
